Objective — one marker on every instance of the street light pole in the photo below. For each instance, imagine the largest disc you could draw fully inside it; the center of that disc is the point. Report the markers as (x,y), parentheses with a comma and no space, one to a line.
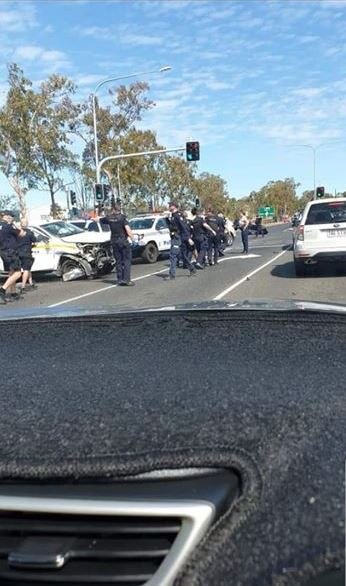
(98,86)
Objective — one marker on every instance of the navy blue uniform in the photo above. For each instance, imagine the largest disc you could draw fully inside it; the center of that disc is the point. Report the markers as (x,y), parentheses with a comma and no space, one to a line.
(121,247)
(9,247)
(200,239)
(213,240)
(25,249)
(180,234)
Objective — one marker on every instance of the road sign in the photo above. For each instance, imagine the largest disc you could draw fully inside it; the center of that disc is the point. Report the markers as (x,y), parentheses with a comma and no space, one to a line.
(266,212)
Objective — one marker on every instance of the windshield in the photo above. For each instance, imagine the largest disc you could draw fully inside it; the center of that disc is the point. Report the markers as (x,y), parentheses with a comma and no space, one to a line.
(62,229)
(185,140)
(327,213)
(141,223)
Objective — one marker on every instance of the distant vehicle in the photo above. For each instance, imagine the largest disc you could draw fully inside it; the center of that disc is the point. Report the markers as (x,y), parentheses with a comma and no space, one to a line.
(69,252)
(151,237)
(320,235)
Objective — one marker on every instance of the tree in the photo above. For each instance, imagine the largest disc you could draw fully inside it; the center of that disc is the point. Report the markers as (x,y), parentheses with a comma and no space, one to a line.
(212,192)
(7,202)
(113,122)
(16,135)
(35,134)
(280,194)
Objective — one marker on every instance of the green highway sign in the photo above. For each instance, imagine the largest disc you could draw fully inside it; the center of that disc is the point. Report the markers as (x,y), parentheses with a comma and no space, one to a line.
(266,212)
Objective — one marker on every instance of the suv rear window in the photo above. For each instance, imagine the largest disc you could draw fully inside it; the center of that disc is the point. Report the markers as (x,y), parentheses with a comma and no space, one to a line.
(327,213)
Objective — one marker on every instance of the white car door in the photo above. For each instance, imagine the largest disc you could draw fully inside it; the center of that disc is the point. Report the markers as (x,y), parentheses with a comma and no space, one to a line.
(46,257)
(163,237)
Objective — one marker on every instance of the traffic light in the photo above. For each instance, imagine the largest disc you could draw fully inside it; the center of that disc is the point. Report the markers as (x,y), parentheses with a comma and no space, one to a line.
(99,194)
(192,151)
(107,192)
(73,198)
(197,202)
(319,192)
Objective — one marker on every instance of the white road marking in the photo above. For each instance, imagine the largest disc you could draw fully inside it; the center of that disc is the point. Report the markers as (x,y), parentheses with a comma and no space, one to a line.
(103,289)
(243,256)
(235,285)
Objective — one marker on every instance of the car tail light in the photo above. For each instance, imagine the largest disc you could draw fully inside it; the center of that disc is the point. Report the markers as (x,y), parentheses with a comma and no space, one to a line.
(300,233)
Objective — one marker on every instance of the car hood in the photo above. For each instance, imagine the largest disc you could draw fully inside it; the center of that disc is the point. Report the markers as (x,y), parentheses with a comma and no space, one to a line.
(262,305)
(88,238)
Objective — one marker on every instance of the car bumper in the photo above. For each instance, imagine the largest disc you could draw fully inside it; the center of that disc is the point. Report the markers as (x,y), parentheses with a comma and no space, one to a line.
(319,254)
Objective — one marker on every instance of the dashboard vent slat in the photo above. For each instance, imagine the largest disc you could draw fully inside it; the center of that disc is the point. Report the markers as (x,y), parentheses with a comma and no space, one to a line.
(123,534)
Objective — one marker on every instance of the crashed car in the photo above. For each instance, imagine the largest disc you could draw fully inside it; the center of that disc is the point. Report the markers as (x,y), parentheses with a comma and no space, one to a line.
(69,252)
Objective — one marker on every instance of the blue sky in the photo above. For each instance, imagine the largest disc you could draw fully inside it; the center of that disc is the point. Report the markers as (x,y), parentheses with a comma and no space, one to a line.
(250,79)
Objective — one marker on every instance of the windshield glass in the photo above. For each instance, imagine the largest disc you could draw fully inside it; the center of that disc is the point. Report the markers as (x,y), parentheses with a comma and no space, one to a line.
(62,229)
(327,213)
(141,224)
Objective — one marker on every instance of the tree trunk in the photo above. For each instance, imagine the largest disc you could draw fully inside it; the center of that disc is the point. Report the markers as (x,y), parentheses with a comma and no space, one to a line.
(54,211)
(20,193)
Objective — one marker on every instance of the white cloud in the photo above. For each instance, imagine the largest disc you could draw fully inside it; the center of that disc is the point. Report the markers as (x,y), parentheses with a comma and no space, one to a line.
(94,31)
(52,59)
(308,39)
(308,92)
(17,16)
(141,40)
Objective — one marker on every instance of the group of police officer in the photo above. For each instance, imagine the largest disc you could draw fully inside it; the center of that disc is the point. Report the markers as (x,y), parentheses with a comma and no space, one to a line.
(16,242)
(201,238)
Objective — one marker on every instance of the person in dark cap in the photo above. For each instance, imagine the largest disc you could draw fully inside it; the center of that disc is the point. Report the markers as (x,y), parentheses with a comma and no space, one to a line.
(120,235)
(180,234)
(9,256)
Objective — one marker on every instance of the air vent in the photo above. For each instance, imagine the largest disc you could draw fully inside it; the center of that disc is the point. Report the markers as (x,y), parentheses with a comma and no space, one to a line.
(128,534)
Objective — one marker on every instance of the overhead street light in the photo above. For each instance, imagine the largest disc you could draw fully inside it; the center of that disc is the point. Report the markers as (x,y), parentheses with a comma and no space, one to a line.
(98,86)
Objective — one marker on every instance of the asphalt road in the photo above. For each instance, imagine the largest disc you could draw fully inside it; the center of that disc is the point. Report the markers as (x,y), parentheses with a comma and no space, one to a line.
(266,273)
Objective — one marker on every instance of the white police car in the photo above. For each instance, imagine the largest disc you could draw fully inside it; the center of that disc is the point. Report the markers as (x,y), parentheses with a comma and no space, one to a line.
(151,237)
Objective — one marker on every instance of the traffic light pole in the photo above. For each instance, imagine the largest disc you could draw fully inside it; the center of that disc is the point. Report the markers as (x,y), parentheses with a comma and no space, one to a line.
(131,155)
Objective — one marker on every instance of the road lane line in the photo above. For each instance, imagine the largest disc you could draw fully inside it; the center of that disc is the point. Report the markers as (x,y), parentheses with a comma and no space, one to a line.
(235,285)
(242,256)
(103,289)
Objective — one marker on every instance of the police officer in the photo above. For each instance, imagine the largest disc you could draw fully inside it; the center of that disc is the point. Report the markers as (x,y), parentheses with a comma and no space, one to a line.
(180,236)
(120,234)
(222,235)
(200,229)
(244,228)
(213,239)
(9,255)
(26,239)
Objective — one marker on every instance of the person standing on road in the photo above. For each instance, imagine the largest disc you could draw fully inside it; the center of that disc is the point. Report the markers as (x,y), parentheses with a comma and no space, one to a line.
(26,239)
(120,235)
(180,234)
(259,229)
(9,256)
(213,238)
(200,229)
(222,233)
(244,228)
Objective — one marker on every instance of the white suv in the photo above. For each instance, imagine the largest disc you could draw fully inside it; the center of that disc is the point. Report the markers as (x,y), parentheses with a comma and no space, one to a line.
(151,237)
(321,234)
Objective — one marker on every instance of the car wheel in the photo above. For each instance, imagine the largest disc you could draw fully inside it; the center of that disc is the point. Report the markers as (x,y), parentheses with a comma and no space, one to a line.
(70,267)
(300,268)
(150,253)
(229,240)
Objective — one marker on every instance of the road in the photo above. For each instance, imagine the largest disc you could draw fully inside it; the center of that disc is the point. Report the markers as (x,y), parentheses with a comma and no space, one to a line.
(266,273)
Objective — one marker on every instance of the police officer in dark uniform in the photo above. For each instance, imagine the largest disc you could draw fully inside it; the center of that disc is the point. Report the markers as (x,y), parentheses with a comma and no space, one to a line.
(120,234)
(26,240)
(200,229)
(9,255)
(222,235)
(180,236)
(213,239)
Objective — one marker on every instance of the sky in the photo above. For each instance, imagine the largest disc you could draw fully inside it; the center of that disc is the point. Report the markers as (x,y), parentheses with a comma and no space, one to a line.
(251,79)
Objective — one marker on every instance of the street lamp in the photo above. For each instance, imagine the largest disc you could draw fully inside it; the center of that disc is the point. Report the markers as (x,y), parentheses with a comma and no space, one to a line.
(98,86)
(314,149)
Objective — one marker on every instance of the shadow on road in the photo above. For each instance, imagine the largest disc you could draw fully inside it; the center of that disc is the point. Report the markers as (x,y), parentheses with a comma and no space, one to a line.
(286,271)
